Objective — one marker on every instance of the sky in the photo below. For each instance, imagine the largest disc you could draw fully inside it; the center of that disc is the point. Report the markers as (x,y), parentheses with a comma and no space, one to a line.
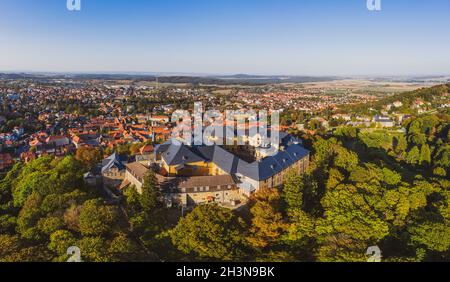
(278,37)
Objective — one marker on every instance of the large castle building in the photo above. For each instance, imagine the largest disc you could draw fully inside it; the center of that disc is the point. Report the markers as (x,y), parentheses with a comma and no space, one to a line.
(191,175)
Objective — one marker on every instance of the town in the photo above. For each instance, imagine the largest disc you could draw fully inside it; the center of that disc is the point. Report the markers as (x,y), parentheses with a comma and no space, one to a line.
(136,168)
(129,124)
(133,142)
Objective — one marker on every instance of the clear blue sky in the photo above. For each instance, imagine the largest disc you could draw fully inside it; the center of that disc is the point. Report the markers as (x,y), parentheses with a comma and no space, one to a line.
(297,37)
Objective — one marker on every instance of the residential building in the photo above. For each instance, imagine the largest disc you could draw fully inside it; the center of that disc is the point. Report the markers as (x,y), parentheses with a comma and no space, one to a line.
(113,171)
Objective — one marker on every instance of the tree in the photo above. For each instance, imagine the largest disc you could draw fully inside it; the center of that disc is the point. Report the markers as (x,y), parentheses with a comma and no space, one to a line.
(301,227)
(211,232)
(89,156)
(10,244)
(439,171)
(346,211)
(425,155)
(122,248)
(93,249)
(400,144)
(413,156)
(46,176)
(95,218)
(433,235)
(417,139)
(346,159)
(132,199)
(314,125)
(42,203)
(346,132)
(268,224)
(60,241)
(150,198)
(349,225)
(135,148)
(292,190)
(48,225)
(6,188)
(442,158)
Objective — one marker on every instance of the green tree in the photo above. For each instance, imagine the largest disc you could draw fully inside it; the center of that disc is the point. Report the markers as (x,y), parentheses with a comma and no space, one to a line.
(292,190)
(433,235)
(60,241)
(94,249)
(211,232)
(400,144)
(150,198)
(425,155)
(413,156)
(122,248)
(346,159)
(95,218)
(349,225)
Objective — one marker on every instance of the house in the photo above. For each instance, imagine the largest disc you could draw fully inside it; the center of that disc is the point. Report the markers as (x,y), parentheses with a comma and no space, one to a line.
(397,104)
(179,160)
(145,156)
(143,118)
(146,150)
(134,176)
(58,141)
(113,171)
(383,121)
(192,191)
(187,191)
(86,139)
(53,145)
(271,171)
(161,133)
(345,117)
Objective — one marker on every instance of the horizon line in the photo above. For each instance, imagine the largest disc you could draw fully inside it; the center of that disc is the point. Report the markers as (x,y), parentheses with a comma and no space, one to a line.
(202,74)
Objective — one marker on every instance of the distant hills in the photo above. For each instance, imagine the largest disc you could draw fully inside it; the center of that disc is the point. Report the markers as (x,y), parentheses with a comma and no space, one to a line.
(243,79)
(205,79)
